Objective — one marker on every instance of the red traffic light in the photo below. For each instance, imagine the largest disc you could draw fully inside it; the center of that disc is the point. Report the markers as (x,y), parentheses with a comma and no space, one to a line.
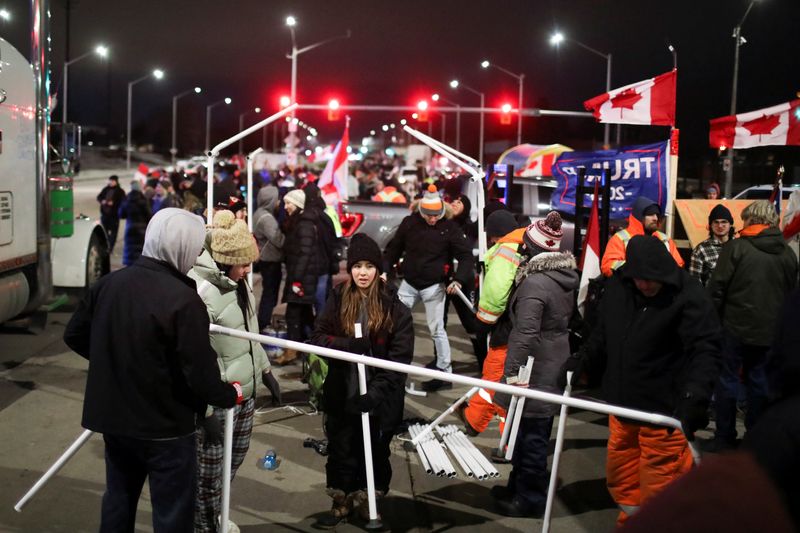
(333,109)
(505,116)
(285,101)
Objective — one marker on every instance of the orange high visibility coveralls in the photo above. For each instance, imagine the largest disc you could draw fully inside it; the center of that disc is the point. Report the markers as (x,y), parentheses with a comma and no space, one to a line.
(502,261)
(614,256)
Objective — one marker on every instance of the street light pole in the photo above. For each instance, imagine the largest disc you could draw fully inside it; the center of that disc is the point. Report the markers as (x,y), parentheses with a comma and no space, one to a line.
(174,149)
(520,80)
(157,74)
(436,98)
(101,51)
(455,84)
(241,126)
(209,107)
(739,40)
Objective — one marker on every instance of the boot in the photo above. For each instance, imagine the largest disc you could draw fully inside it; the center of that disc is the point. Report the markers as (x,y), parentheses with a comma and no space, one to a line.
(287,357)
(341,509)
(360,503)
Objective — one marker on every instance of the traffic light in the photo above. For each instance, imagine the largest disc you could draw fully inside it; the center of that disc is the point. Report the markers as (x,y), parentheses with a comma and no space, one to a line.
(422,113)
(285,101)
(505,116)
(333,110)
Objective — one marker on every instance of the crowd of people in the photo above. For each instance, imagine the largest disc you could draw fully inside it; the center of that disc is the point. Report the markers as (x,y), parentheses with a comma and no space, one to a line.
(667,339)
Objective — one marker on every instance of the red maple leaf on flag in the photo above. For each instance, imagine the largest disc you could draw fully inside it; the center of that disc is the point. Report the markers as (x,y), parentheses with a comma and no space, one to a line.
(763,125)
(626,99)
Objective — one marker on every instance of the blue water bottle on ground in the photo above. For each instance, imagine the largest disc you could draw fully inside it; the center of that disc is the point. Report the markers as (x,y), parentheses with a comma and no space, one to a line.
(270,461)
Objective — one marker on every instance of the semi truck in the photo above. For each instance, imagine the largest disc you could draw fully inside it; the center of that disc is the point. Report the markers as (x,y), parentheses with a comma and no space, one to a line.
(45,250)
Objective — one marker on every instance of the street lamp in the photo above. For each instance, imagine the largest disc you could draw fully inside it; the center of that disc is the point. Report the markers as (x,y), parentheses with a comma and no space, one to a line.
(157,74)
(99,50)
(291,23)
(436,97)
(739,40)
(5,14)
(226,101)
(519,77)
(174,149)
(556,39)
(241,124)
(455,84)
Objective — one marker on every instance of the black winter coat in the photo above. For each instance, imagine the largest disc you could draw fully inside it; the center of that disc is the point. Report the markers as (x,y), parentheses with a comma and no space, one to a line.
(429,252)
(144,331)
(652,351)
(136,210)
(304,262)
(386,388)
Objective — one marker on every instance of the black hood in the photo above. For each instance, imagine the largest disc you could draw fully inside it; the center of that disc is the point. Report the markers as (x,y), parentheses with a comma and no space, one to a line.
(640,205)
(769,241)
(647,258)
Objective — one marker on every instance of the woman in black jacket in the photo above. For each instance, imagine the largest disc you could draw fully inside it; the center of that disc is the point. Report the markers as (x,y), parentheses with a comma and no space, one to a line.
(388,333)
(136,211)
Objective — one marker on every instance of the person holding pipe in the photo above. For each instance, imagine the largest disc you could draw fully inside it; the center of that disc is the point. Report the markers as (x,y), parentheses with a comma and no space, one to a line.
(144,331)
(221,273)
(657,347)
(367,303)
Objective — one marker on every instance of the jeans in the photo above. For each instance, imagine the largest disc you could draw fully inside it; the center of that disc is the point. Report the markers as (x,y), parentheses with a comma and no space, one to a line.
(529,479)
(170,465)
(270,284)
(752,360)
(433,298)
(321,293)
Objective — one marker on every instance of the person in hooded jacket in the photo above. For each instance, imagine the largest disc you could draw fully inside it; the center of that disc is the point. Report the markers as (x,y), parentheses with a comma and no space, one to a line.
(656,346)
(540,309)
(221,273)
(135,209)
(326,243)
(645,219)
(270,241)
(304,265)
(387,333)
(152,369)
(753,276)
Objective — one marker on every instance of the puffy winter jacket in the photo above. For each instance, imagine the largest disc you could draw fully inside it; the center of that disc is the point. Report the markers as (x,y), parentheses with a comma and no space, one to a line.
(304,261)
(753,276)
(268,234)
(540,310)
(238,359)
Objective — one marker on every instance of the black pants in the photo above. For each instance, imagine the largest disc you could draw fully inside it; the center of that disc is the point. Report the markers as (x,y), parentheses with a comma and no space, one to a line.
(477,337)
(171,466)
(529,478)
(299,321)
(270,283)
(345,468)
(111,225)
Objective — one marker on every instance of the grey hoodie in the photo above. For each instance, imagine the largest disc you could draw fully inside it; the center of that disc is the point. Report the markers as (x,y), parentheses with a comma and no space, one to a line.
(176,237)
(268,234)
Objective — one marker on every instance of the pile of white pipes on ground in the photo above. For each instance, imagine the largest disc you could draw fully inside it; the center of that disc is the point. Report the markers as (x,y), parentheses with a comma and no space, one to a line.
(436,462)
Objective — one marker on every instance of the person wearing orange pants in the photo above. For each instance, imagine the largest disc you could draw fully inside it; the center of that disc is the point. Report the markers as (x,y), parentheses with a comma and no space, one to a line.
(480,411)
(641,461)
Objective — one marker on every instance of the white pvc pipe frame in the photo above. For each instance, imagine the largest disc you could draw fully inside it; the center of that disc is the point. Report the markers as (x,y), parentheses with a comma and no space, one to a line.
(249,200)
(214,152)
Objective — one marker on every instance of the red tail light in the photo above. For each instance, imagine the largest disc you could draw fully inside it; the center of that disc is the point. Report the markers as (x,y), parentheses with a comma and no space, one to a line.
(350,223)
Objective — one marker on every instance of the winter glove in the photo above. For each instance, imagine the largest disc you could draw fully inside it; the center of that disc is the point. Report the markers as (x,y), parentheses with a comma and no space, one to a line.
(273,387)
(574,364)
(693,414)
(239,395)
(212,431)
(364,403)
(297,288)
(359,345)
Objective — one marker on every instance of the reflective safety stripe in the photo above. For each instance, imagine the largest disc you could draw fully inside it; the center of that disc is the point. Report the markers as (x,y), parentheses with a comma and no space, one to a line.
(624,236)
(616,264)
(508,255)
(628,509)
(486,316)
(485,395)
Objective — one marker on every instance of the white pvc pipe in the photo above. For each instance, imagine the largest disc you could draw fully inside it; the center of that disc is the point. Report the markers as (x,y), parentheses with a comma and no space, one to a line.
(362,389)
(226,471)
(524,378)
(482,460)
(551,490)
(456,452)
(422,457)
(512,409)
(249,200)
(446,412)
(53,470)
(464,299)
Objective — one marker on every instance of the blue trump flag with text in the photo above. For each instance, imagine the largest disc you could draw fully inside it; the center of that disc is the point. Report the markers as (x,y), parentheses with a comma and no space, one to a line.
(634,171)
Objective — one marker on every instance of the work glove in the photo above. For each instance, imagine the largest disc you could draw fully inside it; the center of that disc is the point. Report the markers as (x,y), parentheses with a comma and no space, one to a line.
(272,386)
(693,414)
(364,403)
(574,364)
(359,345)
(297,288)
(212,431)
(239,395)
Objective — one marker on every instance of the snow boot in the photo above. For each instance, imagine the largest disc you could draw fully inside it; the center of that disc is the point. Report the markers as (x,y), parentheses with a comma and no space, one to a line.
(340,510)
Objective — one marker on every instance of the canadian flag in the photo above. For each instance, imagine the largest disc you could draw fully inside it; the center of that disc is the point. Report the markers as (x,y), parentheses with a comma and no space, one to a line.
(645,102)
(142,171)
(333,180)
(590,258)
(776,125)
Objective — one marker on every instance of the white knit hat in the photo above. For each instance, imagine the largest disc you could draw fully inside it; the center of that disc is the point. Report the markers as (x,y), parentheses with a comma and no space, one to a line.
(296,197)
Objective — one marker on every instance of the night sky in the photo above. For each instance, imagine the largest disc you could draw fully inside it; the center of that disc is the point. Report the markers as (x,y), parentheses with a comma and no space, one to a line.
(402,51)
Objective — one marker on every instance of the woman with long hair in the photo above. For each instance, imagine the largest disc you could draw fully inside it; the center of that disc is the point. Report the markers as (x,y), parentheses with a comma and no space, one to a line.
(221,273)
(387,333)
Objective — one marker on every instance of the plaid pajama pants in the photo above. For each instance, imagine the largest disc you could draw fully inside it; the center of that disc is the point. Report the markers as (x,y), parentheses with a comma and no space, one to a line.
(209,465)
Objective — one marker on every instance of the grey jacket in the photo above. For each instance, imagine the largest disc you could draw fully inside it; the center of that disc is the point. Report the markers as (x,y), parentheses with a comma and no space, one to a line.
(540,309)
(268,234)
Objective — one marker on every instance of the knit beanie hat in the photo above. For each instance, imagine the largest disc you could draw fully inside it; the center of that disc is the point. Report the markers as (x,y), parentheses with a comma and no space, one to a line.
(545,233)
(500,223)
(431,203)
(720,212)
(231,242)
(363,248)
(296,197)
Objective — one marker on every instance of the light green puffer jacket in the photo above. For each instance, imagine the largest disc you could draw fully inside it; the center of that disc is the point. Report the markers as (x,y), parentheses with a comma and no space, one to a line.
(238,359)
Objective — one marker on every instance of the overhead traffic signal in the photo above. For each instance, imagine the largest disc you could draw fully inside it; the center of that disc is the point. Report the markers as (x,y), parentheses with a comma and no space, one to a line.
(334,112)
(285,101)
(505,116)
(422,113)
